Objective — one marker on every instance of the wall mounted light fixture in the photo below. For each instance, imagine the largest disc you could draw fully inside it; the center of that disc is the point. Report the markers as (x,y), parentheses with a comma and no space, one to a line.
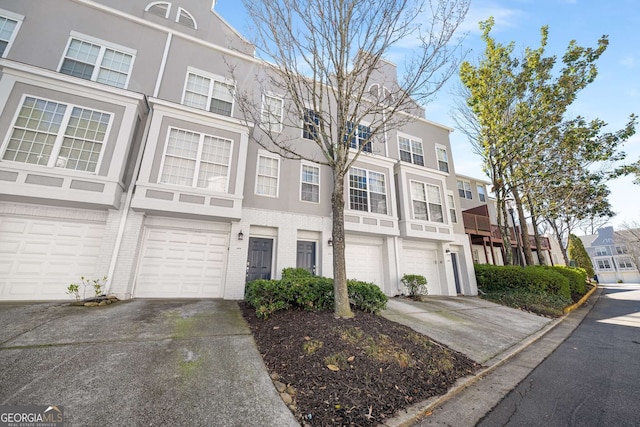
(330,242)
(240,235)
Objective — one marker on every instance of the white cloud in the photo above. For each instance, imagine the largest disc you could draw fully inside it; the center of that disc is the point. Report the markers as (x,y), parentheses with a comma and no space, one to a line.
(480,11)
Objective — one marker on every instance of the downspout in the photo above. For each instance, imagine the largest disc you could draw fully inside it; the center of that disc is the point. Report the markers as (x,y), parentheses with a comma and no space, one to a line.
(127,203)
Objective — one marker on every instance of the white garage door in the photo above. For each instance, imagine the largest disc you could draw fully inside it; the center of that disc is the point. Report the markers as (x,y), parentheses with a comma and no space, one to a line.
(39,258)
(181,264)
(364,262)
(423,262)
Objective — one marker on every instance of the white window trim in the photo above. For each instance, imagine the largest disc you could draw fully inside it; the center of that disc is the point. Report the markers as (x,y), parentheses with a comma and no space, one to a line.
(449,208)
(180,10)
(625,258)
(470,189)
(411,138)
(604,268)
(443,204)
(55,150)
(442,147)
(103,45)
(194,183)
(16,17)
(313,165)
(279,128)
(483,194)
(264,153)
(368,190)
(302,123)
(367,124)
(214,78)
(154,3)
(598,252)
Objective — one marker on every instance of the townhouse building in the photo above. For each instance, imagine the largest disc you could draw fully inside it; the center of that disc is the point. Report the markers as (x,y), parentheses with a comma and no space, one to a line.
(123,153)
(479,214)
(612,254)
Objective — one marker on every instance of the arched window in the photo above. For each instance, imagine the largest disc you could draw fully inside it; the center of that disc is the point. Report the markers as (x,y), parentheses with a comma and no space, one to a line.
(185,18)
(160,8)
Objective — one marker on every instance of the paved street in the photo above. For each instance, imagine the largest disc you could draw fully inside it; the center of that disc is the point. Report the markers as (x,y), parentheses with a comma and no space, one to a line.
(591,379)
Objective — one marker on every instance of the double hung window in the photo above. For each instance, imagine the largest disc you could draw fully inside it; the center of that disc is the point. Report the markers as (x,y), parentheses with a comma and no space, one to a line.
(361,137)
(443,159)
(427,202)
(310,183)
(367,191)
(411,150)
(9,25)
(208,92)
(267,176)
(464,190)
(272,113)
(196,160)
(98,61)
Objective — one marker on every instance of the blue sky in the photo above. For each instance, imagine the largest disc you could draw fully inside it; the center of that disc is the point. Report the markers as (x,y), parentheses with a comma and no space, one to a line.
(612,97)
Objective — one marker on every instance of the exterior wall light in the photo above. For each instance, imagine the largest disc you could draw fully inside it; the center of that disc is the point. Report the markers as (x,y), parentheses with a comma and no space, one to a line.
(330,242)
(240,235)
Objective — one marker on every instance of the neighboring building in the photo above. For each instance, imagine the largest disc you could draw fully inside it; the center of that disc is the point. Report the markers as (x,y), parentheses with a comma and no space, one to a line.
(481,225)
(612,255)
(123,154)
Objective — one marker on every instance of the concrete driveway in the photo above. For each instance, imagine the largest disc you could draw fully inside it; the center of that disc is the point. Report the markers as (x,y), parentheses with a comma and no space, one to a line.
(139,362)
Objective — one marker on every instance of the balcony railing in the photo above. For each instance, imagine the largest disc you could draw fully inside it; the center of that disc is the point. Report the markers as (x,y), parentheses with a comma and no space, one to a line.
(481,225)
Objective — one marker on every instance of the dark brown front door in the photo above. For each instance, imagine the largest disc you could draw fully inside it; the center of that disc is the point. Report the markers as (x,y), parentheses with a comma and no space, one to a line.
(259,258)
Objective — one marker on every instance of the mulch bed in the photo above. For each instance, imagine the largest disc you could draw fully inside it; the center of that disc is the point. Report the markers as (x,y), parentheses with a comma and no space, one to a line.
(357,371)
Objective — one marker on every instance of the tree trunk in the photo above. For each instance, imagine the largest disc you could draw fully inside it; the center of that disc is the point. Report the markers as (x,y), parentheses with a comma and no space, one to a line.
(503,225)
(563,247)
(524,230)
(536,234)
(341,294)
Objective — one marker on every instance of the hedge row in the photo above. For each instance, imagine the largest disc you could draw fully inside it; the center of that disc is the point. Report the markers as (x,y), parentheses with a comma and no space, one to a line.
(534,279)
(299,289)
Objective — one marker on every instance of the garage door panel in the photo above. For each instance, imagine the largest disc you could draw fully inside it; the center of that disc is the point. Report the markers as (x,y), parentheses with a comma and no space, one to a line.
(364,262)
(423,262)
(41,257)
(182,264)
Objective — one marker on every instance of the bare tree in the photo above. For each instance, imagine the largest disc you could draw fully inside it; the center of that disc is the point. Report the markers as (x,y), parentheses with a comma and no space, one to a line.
(328,60)
(629,235)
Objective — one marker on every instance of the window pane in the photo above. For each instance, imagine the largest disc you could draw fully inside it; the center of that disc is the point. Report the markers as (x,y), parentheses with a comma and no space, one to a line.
(267,183)
(417,191)
(433,194)
(83,140)
(310,193)
(115,68)
(180,159)
(358,190)
(378,203)
(221,99)
(420,210)
(376,182)
(272,113)
(435,211)
(35,131)
(7,26)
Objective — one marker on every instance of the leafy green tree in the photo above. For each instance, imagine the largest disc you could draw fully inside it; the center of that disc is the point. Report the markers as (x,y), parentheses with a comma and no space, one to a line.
(515,114)
(578,253)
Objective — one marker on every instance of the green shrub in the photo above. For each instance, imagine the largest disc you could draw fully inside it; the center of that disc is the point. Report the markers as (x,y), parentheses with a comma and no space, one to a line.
(295,273)
(577,278)
(267,296)
(416,284)
(309,293)
(366,296)
(535,279)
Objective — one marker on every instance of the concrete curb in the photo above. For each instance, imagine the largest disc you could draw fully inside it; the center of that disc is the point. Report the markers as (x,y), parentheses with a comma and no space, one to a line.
(415,412)
(572,307)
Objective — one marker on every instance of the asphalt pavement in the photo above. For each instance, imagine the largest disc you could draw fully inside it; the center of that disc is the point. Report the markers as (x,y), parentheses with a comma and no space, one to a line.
(194,362)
